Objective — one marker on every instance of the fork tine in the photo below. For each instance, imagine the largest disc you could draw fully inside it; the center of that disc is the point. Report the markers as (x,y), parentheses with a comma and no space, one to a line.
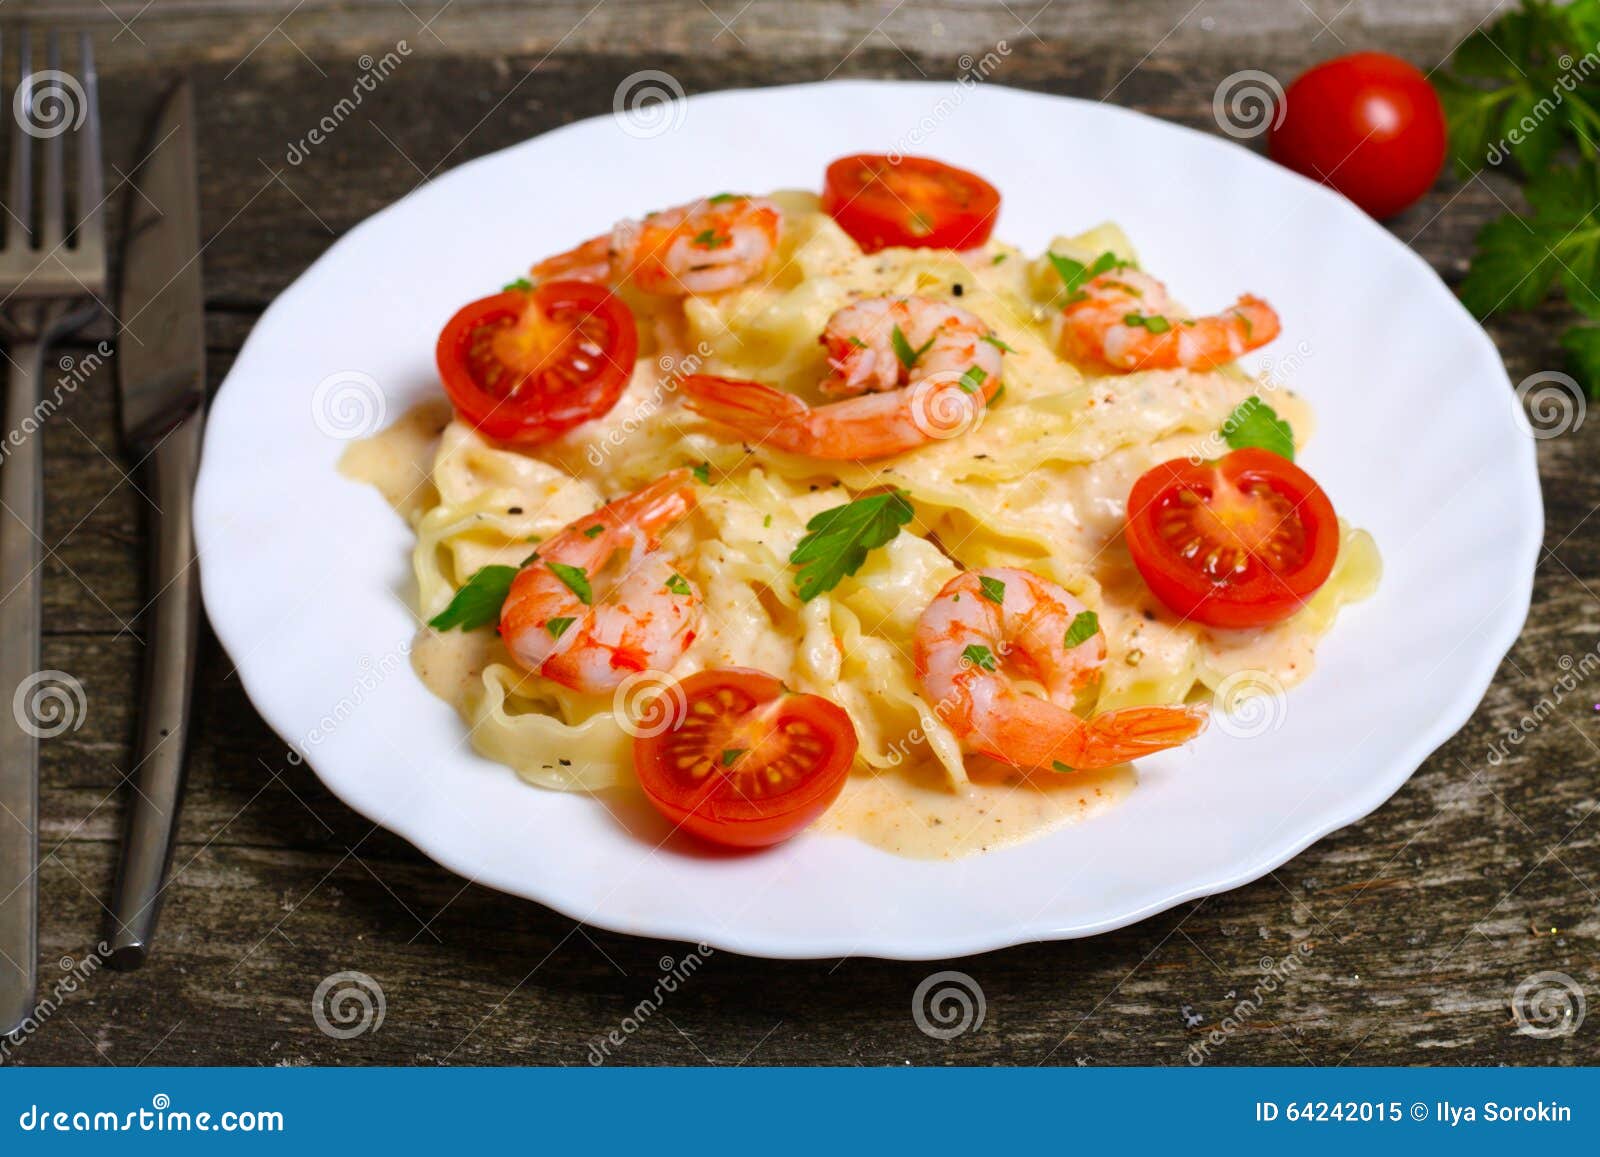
(91,183)
(19,226)
(52,210)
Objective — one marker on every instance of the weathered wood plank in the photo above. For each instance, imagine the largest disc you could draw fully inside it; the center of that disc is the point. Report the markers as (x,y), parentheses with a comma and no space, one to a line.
(825,30)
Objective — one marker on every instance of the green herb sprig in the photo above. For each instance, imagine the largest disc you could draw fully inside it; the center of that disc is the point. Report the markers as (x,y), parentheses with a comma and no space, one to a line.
(1517,97)
(477,604)
(1254,424)
(838,540)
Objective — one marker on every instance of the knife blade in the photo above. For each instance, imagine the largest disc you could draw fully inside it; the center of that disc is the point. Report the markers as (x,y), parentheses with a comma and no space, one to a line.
(162,348)
(161,381)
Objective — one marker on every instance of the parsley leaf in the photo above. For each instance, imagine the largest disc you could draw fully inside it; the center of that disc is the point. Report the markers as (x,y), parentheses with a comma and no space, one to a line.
(732,754)
(711,239)
(521,283)
(902,348)
(594,531)
(838,539)
(992,588)
(575,579)
(477,604)
(678,585)
(1153,323)
(979,656)
(1085,626)
(1076,273)
(1254,423)
(558,627)
(702,472)
(972,379)
(1057,765)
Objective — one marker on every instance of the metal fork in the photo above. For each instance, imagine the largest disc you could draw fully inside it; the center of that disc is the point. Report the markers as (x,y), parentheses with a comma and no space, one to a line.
(52,276)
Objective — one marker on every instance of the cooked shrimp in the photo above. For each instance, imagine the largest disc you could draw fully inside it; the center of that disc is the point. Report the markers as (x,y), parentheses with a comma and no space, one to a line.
(1125,320)
(558,620)
(707,246)
(966,645)
(936,363)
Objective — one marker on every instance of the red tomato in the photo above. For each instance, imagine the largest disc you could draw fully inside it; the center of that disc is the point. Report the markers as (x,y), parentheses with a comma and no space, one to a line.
(749,763)
(526,365)
(1368,124)
(913,201)
(1239,542)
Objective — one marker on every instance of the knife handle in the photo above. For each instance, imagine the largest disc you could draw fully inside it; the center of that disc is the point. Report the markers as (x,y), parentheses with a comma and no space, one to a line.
(23,693)
(163,738)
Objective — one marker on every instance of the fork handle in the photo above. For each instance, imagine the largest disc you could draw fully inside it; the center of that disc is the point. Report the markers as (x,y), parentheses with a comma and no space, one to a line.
(163,739)
(21,518)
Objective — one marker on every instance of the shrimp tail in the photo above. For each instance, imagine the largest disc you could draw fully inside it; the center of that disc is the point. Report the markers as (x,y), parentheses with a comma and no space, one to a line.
(1034,732)
(1130,733)
(753,409)
(659,506)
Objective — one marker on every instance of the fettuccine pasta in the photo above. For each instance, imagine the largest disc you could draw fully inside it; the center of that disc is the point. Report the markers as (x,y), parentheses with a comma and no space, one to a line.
(1038,479)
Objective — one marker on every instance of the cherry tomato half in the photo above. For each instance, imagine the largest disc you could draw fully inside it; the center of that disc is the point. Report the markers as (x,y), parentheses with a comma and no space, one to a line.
(1243,541)
(526,365)
(1368,124)
(748,763)
(913,201)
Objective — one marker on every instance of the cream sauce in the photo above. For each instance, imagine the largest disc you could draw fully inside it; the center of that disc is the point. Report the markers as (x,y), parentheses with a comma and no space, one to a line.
(915,812)
(399,460)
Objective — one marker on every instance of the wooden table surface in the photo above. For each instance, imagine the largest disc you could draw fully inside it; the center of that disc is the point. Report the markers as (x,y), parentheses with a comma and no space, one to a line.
(1419,922)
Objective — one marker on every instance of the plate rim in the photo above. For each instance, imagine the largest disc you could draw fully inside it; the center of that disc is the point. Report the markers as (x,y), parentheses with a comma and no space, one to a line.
(772,945)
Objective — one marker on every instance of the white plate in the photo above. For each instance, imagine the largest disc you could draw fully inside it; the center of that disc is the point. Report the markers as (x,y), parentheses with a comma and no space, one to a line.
(1420,439)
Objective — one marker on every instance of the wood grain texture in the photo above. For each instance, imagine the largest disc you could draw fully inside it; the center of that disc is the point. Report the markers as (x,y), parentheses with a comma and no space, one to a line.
(825,31)
(1410,930)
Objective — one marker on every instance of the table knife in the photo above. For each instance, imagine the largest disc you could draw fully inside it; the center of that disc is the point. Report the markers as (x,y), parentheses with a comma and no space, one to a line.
(161,358)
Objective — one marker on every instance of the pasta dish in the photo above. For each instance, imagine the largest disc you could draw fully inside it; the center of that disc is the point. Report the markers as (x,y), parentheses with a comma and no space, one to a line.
(835,512)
